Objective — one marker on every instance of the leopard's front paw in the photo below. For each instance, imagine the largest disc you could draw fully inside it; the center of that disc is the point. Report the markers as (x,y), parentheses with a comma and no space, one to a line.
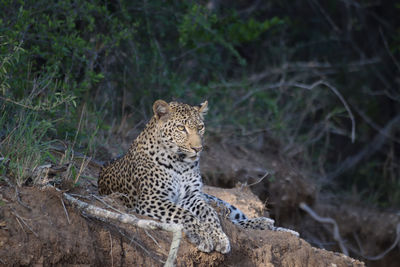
(206,245)
(201,240)
(222,243)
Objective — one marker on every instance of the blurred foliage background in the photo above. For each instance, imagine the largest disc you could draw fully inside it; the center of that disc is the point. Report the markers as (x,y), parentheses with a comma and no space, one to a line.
(321,78)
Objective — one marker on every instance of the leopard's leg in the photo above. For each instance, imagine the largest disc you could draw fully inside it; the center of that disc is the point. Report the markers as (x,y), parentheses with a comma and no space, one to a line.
(160,207)
(237,217)
(197,205)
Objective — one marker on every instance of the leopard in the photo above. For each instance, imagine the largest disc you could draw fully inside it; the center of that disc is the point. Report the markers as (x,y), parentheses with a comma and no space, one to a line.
(159,177)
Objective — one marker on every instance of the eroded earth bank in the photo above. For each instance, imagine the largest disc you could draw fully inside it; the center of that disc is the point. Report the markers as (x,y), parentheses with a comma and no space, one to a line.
(39,228)
(44,234)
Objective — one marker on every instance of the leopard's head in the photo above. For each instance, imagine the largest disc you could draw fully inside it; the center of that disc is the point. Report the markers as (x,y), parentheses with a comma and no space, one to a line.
(181,128)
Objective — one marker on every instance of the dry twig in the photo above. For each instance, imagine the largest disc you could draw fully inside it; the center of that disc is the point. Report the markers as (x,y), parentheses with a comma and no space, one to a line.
(152,238)
(373,146)
(382,254)
(339,95)
(111,250)
(65,210)
(259,180)
(327,17)
(17,196)
(388,49)
(23,221)
(83,166)
(336,234)
(20,225)
(137,243)
(375,126)
(337,237)
(106,204)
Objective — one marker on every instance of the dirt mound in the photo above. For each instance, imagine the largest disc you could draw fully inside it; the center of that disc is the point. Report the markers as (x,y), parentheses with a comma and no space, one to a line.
(46,233)
(366,231)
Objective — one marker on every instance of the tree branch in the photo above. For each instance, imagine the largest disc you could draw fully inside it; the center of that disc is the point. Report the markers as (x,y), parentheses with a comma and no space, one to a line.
(367,151)
(336,234)
(98,212)
(339,95)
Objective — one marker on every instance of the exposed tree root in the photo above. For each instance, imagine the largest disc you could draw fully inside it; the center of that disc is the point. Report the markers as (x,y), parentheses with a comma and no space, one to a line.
(98,212)
(338,238)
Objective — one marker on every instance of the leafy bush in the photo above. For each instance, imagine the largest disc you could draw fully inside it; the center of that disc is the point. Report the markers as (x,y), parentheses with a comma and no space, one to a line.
(304,76)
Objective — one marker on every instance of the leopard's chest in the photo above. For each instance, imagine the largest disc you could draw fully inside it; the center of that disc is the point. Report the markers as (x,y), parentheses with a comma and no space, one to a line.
(184,183)
(178,178)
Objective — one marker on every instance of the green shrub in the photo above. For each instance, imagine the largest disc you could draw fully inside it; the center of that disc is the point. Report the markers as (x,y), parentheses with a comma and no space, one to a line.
(93,68)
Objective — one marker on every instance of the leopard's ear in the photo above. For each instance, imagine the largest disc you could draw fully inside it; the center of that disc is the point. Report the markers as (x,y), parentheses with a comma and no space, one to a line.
(203,108)
(161,110)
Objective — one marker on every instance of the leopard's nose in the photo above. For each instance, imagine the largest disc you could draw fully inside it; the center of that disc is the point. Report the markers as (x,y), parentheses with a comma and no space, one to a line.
(197,148)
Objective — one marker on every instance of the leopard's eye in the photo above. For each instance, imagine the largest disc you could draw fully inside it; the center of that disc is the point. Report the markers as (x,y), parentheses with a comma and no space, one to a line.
(200,127)
(181,127)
